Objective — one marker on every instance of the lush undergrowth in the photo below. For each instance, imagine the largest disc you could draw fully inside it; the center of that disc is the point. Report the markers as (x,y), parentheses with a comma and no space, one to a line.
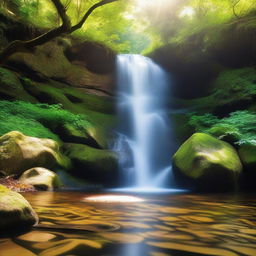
(38,120)
(239,127)
(235,85)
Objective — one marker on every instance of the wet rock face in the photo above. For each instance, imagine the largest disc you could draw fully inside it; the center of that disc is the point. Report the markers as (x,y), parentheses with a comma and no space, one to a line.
(19,152)
(41,179)
(207,163)
(195,62)
(191,69)
(15,211)
(95,56)
(48,61)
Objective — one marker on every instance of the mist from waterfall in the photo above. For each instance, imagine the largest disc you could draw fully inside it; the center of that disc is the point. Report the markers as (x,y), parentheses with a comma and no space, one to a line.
(144,136)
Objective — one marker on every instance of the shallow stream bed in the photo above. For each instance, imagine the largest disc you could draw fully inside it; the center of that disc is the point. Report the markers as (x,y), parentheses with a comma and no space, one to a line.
(161,225)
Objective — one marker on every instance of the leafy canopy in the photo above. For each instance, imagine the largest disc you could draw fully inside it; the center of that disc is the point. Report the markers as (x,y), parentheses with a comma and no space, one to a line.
(137,25)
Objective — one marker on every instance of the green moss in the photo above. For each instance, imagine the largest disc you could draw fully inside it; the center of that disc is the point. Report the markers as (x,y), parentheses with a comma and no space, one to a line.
(37,120)
(11,87)
(200,151)
(9,79)
(100,159)
(24,152)
(94,165)
(207,163)
(3,189)
(100,109)
(15,211)
(232,90)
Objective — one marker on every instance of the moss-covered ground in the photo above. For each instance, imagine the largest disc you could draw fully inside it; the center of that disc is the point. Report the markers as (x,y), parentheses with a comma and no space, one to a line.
(38,120)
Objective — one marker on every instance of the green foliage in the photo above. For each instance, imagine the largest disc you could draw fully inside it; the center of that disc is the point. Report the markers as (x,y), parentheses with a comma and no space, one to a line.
(203,122)
(177,20)
(235,85)
(106,24)
(141,25)
(38,120)
(239,127)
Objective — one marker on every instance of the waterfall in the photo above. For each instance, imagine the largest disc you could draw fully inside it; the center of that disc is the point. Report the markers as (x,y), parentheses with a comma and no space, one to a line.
(144,138)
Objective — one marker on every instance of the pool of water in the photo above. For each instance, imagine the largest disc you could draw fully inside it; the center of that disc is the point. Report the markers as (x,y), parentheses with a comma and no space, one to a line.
(151,225)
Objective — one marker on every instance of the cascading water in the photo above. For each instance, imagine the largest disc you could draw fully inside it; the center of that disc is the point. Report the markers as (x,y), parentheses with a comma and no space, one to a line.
(144,137)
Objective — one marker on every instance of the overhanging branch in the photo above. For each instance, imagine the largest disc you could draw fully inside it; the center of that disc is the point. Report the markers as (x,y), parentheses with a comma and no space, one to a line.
(65,28)
(89,12)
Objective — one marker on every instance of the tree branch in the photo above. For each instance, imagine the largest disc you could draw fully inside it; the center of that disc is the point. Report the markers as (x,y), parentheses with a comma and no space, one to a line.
(65,28)
(234,9)
(62,13)
(89,12)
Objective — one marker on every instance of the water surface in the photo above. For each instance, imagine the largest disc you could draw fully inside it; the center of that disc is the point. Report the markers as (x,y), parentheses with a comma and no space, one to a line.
(161,225)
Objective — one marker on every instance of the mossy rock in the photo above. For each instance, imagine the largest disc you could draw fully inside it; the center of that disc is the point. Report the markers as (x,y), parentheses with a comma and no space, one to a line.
(19,153)
(94,135)
(207,163)
(50,61)
(9,79)
(100,109)
(41,179)
(94,165)
(70,133)
(15,211)
(102,135)
(11,87)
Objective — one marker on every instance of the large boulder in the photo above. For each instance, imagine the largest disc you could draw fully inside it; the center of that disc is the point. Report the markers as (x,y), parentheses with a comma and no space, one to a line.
(96,166)
(41,178)
(19,153)
(207,163)
(15,211)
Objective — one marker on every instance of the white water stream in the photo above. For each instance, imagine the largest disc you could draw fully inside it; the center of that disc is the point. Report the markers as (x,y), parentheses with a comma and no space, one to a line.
(144,137)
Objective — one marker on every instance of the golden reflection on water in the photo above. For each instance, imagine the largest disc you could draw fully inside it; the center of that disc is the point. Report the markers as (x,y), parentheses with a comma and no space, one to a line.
(167,225)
